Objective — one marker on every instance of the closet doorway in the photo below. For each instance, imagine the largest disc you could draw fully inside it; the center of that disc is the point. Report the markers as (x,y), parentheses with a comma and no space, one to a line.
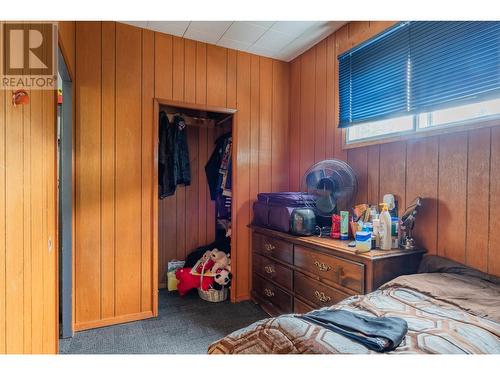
(189,218)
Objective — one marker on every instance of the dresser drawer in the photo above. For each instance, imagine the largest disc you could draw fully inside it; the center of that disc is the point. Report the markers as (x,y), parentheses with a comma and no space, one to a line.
(273,271)
(272,294)
(300,307)
(328,267)
(273,247)
(318,294)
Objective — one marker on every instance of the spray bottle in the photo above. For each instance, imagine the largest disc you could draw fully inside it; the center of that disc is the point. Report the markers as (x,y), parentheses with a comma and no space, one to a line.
(385,228)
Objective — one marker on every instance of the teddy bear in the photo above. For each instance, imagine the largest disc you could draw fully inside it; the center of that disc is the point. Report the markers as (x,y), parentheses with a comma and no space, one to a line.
(220,259)
(221,279)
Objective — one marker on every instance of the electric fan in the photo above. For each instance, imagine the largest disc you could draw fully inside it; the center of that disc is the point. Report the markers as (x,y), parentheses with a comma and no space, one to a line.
(334,184)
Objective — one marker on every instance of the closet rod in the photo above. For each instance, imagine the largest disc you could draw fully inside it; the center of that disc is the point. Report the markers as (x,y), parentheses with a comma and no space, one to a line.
(194,121)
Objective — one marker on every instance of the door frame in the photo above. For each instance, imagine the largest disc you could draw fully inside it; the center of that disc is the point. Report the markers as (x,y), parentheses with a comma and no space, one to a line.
(157,102)
(65,200)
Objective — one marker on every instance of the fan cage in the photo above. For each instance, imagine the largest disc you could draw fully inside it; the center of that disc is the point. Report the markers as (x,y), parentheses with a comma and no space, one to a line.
(334,185)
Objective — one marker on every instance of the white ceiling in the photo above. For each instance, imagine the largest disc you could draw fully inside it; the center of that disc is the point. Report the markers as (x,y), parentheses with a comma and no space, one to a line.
(282,40)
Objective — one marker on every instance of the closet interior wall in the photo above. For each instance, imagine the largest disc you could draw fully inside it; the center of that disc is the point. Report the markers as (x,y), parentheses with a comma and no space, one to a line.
(186,219)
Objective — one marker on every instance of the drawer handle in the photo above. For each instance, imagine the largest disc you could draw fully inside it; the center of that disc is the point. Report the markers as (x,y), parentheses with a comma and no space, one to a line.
(269,247)
(268,292)
(322,297)
(322,266)
(269,269)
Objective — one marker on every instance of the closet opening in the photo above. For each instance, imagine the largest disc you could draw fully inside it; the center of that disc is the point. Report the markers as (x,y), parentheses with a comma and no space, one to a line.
(194,179)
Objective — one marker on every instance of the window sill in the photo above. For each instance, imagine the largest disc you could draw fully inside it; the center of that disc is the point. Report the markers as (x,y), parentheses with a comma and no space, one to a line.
(423,133)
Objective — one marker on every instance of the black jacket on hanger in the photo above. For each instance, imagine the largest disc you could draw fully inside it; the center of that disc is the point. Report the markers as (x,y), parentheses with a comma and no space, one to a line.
(173,155)
(213,165)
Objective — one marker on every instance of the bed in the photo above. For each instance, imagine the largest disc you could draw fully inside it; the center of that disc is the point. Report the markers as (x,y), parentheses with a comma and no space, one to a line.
(449,309)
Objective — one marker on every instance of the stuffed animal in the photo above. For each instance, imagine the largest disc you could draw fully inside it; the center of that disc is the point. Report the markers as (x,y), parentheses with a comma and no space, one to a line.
(220,259)
(221,279)
(188,281)
(222,243)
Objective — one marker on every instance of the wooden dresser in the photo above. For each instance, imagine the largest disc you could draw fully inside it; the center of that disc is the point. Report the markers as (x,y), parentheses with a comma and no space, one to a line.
(299,274)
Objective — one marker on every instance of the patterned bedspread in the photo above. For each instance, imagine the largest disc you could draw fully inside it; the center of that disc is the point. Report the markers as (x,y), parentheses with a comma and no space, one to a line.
(437,323)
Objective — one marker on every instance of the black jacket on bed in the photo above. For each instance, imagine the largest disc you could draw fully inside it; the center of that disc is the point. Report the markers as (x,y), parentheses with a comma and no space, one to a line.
(379,334)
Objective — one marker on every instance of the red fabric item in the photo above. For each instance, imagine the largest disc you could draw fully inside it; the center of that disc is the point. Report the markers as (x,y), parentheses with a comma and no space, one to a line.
(187,281)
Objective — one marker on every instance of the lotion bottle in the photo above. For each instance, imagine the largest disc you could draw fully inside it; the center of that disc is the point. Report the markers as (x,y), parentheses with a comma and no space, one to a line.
(385,228)
(376,232)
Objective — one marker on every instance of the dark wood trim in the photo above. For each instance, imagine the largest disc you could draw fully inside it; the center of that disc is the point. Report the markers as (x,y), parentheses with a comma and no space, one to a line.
(198,107)
(157,102)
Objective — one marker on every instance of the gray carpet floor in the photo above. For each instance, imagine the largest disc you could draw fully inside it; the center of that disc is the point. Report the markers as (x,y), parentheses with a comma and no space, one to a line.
(185,325)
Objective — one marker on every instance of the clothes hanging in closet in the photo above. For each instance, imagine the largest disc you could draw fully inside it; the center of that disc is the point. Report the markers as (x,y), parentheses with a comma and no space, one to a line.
(173,155)
(219,171)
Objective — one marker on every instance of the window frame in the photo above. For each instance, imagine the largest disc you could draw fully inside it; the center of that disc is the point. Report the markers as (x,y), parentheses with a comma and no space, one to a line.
(416,133)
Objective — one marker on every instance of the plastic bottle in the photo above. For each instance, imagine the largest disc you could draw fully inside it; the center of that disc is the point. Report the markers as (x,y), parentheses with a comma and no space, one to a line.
(376,233)
(385,228)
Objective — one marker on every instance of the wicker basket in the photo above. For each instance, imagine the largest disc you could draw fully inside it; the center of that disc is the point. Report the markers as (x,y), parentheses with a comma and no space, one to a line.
(211,295)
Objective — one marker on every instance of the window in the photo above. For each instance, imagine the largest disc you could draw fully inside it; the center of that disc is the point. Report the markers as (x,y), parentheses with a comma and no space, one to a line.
(405,125)
(419,76)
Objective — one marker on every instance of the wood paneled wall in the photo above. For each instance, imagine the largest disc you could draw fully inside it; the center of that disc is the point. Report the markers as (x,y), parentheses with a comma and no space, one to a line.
(28,265)
(195,72)
(113,203)
(119,70)
(186,220)
(456,173)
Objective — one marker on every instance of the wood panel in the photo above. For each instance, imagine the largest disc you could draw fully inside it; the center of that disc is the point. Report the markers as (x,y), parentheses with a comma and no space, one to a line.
(26,191)
(241,202)
(320,102)
(279,131)
(3,322)
(422,180)
(14,246)
(456,173)
(163,66)
(392,171)
(28,242)
(331,108)
(265,123)
(114,174)
(88,173)
(452,196)
(116,79)
(254,125)
(38,244)
(478,199)
(358,160)
(108,186)
(149,190)
(373,175)
(307,113)
(66,31)
(50,261)
(294,115)
(128,170)
(216,75)
(262,156)
(494,199)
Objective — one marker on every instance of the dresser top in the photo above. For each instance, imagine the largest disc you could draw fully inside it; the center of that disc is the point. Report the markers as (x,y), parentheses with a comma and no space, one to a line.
(337,245)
